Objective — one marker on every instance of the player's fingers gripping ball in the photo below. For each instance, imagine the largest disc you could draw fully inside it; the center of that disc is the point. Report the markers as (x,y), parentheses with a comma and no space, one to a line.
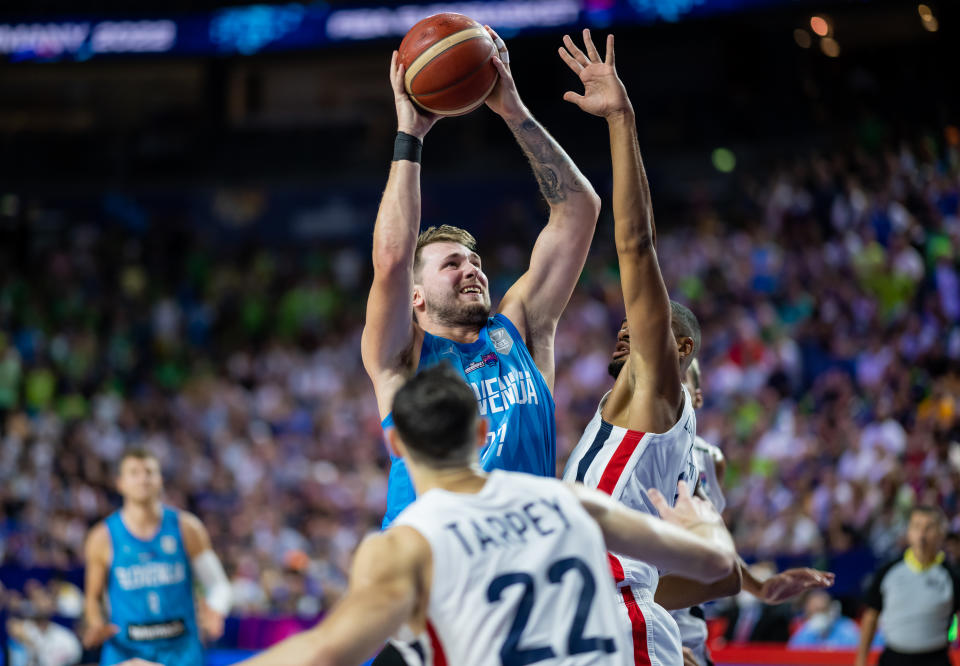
(448,64)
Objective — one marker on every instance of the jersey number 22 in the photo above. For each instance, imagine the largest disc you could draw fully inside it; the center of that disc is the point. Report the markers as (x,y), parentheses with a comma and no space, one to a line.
(511,654)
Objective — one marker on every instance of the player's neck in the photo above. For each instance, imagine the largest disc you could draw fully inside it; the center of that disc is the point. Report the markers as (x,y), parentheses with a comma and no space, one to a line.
(142,518)
(457,333)
(456,480)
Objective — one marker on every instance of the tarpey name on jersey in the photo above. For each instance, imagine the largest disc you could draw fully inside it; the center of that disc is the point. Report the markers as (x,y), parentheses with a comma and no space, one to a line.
(512,528)
(499,394)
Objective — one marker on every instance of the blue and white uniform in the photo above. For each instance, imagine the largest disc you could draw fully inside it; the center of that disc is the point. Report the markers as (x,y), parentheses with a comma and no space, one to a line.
(511,394)
(150,596)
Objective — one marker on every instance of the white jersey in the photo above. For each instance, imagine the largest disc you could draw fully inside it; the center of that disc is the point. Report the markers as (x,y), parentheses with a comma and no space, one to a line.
(690,621)
(625,463)
(705,457)
(520,575)
(693,632)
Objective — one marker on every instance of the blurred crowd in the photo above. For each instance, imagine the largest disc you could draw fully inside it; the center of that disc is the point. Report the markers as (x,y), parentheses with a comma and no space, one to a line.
(828,290)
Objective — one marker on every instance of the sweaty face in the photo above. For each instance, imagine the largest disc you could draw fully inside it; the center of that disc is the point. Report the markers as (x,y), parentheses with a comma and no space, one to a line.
(140,479)
(925,534)
(621,351)
(453,288)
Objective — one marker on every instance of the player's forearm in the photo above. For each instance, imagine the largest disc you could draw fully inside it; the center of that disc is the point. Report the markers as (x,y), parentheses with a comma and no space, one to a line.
(561,182)
(398,220)
(699,554)
(632,210)
(676,592)
(93,611)
(751,583)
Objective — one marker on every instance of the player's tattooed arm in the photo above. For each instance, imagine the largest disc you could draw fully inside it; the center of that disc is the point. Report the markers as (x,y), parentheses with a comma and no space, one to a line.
(558,177)
(536,301)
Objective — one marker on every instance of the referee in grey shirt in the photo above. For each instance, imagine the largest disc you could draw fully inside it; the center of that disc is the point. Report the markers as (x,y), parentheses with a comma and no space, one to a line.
(914,597)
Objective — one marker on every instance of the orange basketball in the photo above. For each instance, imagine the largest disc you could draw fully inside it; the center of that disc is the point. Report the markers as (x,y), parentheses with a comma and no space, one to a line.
(447,61)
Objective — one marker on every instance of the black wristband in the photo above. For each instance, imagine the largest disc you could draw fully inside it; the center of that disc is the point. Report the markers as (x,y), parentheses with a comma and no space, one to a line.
(407,147)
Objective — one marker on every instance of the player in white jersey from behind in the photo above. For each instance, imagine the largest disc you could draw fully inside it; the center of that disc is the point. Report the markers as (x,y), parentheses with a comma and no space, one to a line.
(642,435)
(501,568)
(777,589)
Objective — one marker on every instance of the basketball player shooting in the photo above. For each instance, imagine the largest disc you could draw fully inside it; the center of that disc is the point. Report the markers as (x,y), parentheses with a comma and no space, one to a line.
(506,359)
(143,558)
(499,568)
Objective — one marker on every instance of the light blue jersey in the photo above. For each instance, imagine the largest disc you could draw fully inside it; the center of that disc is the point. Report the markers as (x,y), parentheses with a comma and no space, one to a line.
(511,394)
(150,596)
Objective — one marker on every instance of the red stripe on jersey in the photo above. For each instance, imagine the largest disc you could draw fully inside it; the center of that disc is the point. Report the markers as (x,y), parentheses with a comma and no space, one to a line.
(439,657)
(616,568)
(639,627)
(614,468)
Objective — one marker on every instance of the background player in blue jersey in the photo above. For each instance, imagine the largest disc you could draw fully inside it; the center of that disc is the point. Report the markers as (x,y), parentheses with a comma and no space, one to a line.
(145,557)
(430,299)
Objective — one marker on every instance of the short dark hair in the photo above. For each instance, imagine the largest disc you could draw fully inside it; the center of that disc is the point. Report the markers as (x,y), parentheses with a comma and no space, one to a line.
(934,512)
(135,452)
(435,414)
(685,324)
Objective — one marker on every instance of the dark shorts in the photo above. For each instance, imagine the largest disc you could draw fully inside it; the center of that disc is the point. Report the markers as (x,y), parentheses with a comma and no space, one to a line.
(893,658)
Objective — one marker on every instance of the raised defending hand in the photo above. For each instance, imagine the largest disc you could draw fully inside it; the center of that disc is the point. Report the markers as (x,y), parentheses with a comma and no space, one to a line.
(788,584)
(410,119)
(687,511)
(504,100)
(603,92)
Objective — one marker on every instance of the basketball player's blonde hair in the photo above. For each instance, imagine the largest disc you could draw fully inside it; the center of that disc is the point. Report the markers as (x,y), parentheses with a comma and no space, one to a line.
(445,233)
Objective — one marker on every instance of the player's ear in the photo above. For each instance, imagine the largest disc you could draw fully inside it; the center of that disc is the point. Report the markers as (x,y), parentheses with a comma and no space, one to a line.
(482,427)
(698,399)
(395,444)
(684,346)
(417,299)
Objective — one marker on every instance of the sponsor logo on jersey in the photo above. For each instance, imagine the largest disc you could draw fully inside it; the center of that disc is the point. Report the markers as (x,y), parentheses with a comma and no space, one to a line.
(501,340)
(155,632)
(487,359)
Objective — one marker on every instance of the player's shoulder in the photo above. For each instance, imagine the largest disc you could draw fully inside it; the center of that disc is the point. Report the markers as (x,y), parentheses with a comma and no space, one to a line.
(195,537)
(952,570)
(399,546)
(100,532)
(98,543)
